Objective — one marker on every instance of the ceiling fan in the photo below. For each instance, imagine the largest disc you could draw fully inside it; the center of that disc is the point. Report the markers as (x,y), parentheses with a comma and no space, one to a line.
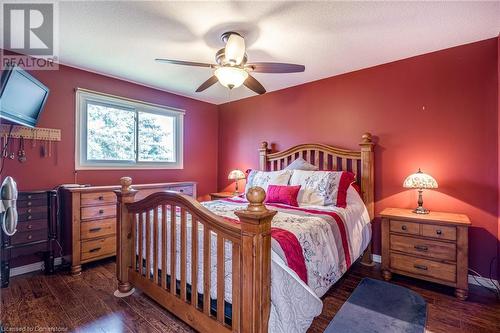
(232,69)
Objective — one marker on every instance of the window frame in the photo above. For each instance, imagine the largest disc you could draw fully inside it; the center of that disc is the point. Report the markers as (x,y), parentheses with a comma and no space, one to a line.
(83,96)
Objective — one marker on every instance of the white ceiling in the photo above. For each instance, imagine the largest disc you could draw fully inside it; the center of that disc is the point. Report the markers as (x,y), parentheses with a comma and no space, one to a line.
(121,38)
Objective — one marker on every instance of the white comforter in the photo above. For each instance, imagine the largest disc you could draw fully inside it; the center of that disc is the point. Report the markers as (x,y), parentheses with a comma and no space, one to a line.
(294,304)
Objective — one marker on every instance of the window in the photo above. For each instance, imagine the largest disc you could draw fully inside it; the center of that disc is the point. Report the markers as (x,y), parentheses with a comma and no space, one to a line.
(119,133)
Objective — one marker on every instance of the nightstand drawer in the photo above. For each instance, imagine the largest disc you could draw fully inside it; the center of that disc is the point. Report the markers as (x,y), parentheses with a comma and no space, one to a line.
(98,198)
(438,231)
(98,247)
(187,190)
(97,228)
(424,267)
(422,247)
(29,236)
(405,227)
(98,211)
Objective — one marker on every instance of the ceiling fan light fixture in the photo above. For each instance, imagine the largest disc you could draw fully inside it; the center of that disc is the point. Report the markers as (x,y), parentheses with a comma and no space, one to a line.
(231,77)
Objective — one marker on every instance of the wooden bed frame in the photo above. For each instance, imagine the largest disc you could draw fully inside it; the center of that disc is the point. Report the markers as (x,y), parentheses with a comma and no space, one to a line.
(250,241)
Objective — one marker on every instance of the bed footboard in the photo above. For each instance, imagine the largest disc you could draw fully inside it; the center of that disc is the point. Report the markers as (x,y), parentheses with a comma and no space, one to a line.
(167,244)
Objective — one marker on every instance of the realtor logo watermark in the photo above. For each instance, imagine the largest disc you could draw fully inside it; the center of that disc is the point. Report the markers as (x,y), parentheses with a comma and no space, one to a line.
(29,35)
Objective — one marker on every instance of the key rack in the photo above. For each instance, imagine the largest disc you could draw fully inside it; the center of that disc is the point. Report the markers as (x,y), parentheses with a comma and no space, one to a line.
(37,133)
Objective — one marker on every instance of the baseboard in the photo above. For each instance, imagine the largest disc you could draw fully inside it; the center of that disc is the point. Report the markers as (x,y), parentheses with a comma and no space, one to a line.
(36,266)
(481,281)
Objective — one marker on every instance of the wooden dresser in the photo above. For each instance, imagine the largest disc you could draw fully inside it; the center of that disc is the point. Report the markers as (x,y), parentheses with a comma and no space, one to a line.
(36,235)
(90,218)
(432,247)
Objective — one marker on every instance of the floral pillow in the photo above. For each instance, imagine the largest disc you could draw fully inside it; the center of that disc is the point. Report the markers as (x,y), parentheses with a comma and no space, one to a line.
(265,178)
(301,164)
(322,187)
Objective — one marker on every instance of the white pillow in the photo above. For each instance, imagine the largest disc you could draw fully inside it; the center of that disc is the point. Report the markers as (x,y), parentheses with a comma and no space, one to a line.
(301,164)
(322,187)
(265,178)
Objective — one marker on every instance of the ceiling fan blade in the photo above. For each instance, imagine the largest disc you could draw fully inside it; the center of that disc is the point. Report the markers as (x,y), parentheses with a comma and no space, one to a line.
(254,85)
(185,63)
(234,51)
(208,83)
(275,67)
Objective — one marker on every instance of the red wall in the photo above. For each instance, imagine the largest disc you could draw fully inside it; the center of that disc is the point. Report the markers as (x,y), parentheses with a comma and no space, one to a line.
(200,136)
(454,138)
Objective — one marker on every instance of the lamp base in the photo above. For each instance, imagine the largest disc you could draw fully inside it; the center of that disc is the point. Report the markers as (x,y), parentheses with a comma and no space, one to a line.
(420,210)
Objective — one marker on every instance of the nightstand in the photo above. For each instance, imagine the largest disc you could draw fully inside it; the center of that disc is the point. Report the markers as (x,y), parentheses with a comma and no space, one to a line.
(431,247)
(221,195)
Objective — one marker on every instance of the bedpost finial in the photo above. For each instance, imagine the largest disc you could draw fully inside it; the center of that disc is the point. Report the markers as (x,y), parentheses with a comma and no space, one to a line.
(256,196)
(366,138)
(126,183)
(263,145)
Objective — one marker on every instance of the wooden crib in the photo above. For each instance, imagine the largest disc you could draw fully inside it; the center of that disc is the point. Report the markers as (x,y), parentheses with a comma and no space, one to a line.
(250,242)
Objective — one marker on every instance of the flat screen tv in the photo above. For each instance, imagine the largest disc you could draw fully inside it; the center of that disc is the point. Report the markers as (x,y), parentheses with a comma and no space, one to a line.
(22,97)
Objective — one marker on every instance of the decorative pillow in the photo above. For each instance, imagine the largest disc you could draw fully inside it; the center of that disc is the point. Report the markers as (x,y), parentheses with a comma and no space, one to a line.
(283,194)
(301,164)
(322,187)
(266,178)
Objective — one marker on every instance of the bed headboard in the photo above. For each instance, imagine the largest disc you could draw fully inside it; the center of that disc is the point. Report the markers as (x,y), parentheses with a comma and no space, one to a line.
(329,158)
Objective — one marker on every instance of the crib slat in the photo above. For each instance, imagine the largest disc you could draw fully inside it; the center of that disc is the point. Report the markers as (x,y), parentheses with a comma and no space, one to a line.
(155,245)
(148,245)
(194,262)
(236,288)
(134,241)
(183,254)
(206,270)
(220,278)
(141,240)
(173,248)
(164,246)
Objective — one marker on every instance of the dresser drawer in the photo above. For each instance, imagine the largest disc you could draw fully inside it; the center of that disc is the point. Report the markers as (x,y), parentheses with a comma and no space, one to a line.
(424,267)
(28,236)
(98,247)
(98,228)
(428,248)
(90,213)
(32,203)
(98,198)
(186,189)
(29,210)
(32,216)
(32,196)
(32,225)
(441,232)
(405,227)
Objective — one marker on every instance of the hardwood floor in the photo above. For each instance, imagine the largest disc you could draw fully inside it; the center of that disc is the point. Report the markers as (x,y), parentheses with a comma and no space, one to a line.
(85,303)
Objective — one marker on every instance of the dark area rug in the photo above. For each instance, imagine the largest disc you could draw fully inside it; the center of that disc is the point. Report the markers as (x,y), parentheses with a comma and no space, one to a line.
(380,307)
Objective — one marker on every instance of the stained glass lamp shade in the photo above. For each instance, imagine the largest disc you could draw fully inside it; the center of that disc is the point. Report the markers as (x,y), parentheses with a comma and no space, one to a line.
(420,180)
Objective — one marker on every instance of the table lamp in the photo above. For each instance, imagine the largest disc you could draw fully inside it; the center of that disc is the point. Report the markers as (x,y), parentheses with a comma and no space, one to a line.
(420,180)
(236,175)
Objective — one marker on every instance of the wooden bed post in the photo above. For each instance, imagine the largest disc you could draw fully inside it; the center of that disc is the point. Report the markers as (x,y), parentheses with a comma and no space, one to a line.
(263,150)
(124,250)
(256,263)
(368,186)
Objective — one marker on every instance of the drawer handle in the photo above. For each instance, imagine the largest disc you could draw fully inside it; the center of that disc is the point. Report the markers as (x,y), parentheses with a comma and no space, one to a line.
(29,237)
(29,203)
(421,248)
(95,229)
(421,267)
(30,226)
(101,197)
(29,210)
(94,249)
(29,217)
(439,232)
(29,196)
(101,211)
(404,227)
(181,190)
